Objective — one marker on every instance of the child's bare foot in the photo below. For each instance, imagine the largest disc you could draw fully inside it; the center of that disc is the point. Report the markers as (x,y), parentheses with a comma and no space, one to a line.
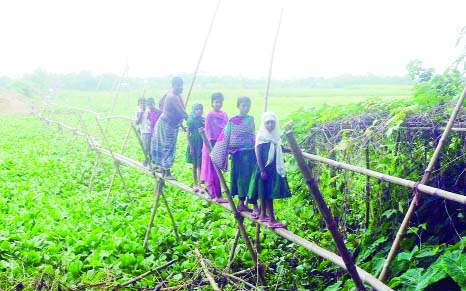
(196,188)
(255,214)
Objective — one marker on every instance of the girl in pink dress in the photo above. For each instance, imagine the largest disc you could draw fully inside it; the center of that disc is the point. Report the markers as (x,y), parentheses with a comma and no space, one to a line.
(215,122)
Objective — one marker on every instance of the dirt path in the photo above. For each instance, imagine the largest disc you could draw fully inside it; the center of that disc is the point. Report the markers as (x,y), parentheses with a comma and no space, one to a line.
(13,103)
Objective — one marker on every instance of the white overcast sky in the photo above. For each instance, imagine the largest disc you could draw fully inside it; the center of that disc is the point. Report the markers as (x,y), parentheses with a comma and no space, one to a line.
(318,38)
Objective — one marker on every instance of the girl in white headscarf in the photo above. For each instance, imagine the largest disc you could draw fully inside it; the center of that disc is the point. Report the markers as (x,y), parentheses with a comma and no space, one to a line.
(268,179)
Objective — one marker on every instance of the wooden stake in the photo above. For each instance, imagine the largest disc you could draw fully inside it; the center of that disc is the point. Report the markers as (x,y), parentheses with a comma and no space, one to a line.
(238,217)
(170,214)
(425,178)
(202,54)
(327,215)
(267,88)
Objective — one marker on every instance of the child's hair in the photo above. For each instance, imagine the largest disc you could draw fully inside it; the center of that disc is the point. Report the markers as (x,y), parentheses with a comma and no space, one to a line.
(141,99)
(243,99)
(177,81)
(217,96)
(150,101)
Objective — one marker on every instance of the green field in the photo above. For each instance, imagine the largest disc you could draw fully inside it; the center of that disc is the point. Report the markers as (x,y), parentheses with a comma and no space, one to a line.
(281,101)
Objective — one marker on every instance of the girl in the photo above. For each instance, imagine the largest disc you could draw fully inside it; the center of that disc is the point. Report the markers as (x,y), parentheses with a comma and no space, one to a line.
(215,122)
(237,139)
(268,179)
(194,151)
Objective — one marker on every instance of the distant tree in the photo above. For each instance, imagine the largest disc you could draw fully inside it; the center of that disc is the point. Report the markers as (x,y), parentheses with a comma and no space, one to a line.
(418,73)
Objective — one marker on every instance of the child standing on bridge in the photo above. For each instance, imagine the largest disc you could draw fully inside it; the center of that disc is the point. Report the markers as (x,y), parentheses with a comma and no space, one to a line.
(194,151)
(237,139)
(268,179)
(215,122)
(148,121)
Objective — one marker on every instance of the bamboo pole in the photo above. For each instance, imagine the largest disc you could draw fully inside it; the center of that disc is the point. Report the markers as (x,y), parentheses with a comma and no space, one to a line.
(202,54)
(117,167)
(288,235)
(425,179)
(231,257)
(368,185)
(269,77)
(206,271)
(325,211)
(157,192)
(170,215)
(392,179)
(238,217)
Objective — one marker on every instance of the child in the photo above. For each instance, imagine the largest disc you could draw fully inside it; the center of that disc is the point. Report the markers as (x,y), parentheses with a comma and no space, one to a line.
(237,139)
(140,111)
(194,151)
(163,143)
(268,179)
(148,121)
(215,122)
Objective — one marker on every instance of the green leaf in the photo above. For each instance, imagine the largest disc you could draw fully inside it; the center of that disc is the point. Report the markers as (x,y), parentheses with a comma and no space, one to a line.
(454,264)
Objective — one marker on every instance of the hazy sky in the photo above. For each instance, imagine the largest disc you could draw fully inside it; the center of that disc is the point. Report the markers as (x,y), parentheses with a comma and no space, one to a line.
(318,38)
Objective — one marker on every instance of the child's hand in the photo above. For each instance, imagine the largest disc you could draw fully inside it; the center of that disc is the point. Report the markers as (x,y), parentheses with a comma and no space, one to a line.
(263,175)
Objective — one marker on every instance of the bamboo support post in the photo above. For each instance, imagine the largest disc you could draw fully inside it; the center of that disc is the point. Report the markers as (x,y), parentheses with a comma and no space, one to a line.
(202,54)
(368,185)
(157,193)
(237,215)
(231,257)
(206,271)
(116,163)
(325,211)
(425,179)
(170,214)
(272,55)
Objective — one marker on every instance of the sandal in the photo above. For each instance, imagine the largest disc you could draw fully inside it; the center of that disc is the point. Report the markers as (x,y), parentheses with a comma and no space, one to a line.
(243,209)
(264,219)
(220,200)
(276,225)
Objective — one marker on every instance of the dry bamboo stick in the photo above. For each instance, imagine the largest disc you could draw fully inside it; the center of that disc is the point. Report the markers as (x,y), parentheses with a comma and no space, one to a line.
(325,211)
(142,276)
(392,179)
(232,277)
(425,179)
(170,215)
(206,271)
(312,247)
